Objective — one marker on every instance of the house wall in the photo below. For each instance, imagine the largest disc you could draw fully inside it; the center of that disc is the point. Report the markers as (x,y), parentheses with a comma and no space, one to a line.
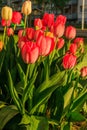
(79,10)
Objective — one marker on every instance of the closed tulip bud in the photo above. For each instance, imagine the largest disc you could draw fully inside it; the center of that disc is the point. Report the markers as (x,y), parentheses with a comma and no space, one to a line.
(26,7)
(6,13)
(73,48)
(84,71)
(70,32)
(10,32)
(69,61)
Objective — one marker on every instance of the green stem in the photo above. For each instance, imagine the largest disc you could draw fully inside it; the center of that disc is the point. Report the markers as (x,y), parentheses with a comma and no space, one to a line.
(14,27)
(25,21)
(26,77)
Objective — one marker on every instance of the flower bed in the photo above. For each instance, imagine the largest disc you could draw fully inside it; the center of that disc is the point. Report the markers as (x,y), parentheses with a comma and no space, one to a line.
(43,74)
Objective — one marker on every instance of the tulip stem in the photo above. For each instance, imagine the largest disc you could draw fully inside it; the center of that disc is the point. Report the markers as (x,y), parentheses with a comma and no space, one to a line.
(26,76)
(25,21)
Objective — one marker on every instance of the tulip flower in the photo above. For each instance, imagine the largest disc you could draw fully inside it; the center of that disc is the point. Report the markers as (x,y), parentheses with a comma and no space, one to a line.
(46,44)
(73,48)
(30,33)
(6,13)
(84,71)
(70,32)
(48,19)
(79,41)
(59,29)
(16,17)
(60,43)
(20,33)
(38,23)
(69,61)
(30,52)
(37,33)
(10,31)
(22,40)
(5,23)
(26,7)
(61,19)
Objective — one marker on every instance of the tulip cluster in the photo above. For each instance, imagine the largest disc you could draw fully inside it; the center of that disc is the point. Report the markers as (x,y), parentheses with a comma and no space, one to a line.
(46,36)
(42,69)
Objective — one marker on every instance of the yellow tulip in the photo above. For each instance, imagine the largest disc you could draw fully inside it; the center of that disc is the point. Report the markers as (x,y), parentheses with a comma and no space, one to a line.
(6,13)
(27,7)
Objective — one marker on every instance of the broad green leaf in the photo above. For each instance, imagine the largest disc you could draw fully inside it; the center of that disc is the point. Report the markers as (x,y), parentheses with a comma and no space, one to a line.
(45,95)
(67,96)
(26,119)
(76,116)
(2,104)
(38,123)
(6,114)
(79,101)
(55,79)
(14,93)
(58,103)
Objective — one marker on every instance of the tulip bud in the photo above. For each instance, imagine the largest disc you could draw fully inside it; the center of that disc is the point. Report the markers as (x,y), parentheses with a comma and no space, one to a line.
(69,61)
(6,13)
(26,7)
(84,71)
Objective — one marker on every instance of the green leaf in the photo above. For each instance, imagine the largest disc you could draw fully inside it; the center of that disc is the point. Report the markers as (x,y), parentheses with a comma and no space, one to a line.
(6,114)
(2,56)
(83,62)
(67,96)
(14,93)
(76,116)
(57,105)
(46,91)
(65,126)
(79,101)
(26,119)
(21,72)
(28,88)
(38,123)
(2,104)
(55,79)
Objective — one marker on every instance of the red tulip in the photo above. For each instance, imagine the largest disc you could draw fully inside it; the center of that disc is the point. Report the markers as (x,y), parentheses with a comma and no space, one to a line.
(73,48)
(16,17)
(5,23)
(59,29)
(22,40)
(69,61)
(30,33)
(10,31)
(30,52)
(48,19)
(70,32)
(38,23)
(20,33)
(46,44)
(84,71)
(37,33)
(79,41)
(60,43)
(61,19)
